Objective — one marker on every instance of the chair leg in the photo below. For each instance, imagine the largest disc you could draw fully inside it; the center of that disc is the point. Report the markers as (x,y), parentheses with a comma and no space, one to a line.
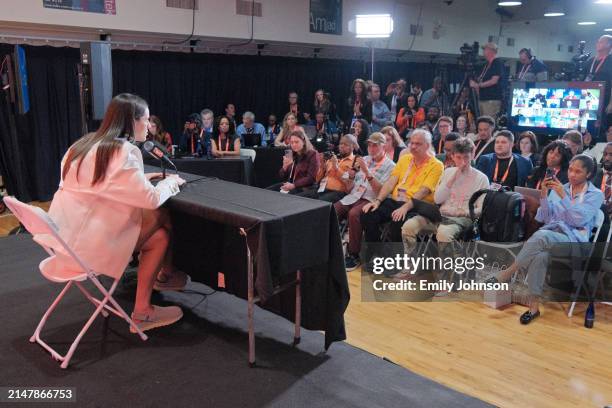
(90,297)
(36,336)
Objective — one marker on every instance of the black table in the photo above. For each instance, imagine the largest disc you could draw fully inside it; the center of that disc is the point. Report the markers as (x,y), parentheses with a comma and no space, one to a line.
(236,169)
(268,161)
(285,234)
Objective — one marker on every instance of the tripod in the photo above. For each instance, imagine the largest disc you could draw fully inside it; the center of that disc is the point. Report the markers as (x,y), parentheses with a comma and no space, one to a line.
(473,98)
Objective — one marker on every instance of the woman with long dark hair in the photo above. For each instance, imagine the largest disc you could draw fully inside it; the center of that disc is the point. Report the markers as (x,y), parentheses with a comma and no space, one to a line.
(358,103)
(568,212)
(300,165)
(224,141)
(106,208)
(361,130)
(410,116)
(556,157)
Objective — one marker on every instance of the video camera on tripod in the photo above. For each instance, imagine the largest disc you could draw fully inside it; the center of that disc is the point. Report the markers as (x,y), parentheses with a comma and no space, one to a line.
(577,70)
(467,60)
(469,57)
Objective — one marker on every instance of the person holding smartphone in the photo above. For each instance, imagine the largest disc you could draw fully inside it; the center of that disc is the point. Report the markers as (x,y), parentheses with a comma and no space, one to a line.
(300,165)
(568,212)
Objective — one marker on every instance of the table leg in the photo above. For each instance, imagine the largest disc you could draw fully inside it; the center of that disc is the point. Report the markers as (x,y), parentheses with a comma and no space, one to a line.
(250,301)
(298,307)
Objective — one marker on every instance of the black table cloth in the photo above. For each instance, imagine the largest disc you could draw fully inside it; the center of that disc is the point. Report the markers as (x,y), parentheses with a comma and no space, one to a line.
(285,233)
(268,161)
(235,169)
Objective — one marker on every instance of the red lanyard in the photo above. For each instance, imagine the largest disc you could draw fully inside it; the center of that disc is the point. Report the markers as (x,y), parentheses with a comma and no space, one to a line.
(227,144)
(598,65)
(505,176)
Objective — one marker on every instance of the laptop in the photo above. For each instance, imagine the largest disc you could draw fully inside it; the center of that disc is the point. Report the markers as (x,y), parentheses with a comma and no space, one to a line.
(251,139)
(528,192)
(311,131)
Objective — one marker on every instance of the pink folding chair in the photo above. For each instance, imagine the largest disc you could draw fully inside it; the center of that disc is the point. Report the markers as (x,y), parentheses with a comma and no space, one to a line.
(38,223)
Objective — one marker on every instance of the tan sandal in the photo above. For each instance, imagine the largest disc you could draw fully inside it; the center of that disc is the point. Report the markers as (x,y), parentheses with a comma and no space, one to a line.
(161,316)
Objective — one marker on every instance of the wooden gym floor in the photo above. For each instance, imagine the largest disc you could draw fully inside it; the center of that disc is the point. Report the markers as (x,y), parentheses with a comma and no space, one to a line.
(486,353)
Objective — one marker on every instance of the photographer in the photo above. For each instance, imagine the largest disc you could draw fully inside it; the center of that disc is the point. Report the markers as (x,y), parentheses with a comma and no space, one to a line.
(487,85)
(192,134)
(330,175)
(533,70)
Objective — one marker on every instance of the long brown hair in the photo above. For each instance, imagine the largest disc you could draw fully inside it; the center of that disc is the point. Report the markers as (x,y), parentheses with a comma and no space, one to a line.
(160,136)
(117,126)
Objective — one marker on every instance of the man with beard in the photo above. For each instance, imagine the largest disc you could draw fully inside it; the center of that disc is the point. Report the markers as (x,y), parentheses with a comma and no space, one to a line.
(433,114)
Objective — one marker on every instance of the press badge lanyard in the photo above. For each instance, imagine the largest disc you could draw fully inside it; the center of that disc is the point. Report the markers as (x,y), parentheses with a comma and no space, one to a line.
(524,71)
(484,71)
(581,195)
(591,73)
(416,173)
(226,144)
(505,176)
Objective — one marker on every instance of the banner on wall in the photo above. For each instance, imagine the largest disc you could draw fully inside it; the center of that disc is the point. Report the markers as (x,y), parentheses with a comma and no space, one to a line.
(92,6)
(326,16)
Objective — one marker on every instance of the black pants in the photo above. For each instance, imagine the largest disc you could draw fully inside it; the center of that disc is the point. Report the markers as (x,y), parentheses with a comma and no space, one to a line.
(372,221)
(330,196)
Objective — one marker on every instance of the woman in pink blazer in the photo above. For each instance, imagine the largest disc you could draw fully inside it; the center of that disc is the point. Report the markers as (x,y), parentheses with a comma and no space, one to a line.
(106,208)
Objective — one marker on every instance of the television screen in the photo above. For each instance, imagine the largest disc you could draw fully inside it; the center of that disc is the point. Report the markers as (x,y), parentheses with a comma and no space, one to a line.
(555,107)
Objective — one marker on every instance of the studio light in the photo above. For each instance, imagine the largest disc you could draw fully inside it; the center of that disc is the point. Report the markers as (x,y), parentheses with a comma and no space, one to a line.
(509,3)
(373,25)
(584,23)
(554,10)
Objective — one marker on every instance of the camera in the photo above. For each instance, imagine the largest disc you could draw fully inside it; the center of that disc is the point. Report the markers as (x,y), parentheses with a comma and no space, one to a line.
(577,70)
(327,155)
(469,56)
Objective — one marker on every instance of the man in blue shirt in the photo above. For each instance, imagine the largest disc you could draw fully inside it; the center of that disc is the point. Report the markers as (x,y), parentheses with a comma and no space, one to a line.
(381,115)
(249,126)
(503,167)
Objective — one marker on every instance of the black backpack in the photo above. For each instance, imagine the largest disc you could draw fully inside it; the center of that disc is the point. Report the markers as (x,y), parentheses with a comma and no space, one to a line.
(502,217)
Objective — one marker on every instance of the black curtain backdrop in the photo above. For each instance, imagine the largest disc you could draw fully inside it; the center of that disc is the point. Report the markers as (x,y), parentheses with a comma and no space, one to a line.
(175,85)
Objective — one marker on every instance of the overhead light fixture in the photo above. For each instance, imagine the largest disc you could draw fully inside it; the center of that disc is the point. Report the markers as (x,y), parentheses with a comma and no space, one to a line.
(554,10)
(587,23)
(603,2)
(373,25)
(608,29)
(503,3)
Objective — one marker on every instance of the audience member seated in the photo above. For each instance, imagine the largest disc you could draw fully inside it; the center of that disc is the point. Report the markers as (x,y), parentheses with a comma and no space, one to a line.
(453,193)
(443,128)
(249,126)
(603,179)
(289,126)
(294,107)
(363,183)
(503,167)
(417,91)
(461,126)
(381,115)
(484,141)
(463,106)
(436,97)
(158,134)
(568,214)
(556,156)
(433,114)
(272,131)
(573,138)
(332,170)
(527,146)
(394,144)
(396,97)
(409,116)
(300,165)
(192,134)
(358,103)
(225,141)
(323,126)
(230,112)
(323,104)
(449,143)
(208,127)
(415,176)
(597,151)
(361,130)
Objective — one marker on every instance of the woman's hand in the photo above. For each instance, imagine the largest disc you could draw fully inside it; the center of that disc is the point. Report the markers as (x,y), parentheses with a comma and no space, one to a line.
(288,187)
(179,180)
(555,184)
(544,187)
(153,176)
(287,162)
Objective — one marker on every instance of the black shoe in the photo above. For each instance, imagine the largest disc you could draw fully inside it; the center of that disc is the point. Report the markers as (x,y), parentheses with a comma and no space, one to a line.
(351,263)
(527,317)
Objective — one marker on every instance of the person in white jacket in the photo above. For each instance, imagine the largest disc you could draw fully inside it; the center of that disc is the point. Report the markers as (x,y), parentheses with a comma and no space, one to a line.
(106,207)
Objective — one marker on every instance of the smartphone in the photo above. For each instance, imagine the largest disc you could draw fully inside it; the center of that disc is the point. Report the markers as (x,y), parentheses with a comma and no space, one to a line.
(289,153)
(550,173)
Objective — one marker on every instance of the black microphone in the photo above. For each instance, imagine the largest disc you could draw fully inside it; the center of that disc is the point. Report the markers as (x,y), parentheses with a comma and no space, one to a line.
(158,151)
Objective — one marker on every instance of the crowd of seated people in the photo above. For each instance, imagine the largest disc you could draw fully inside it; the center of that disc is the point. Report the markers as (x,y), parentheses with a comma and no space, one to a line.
(398,153)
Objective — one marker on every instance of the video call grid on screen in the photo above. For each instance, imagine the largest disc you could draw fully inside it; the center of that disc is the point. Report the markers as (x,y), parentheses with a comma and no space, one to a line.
(556,106)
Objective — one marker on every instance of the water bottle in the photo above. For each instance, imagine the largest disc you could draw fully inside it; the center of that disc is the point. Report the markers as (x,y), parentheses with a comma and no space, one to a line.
(208,144)
(589,316)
